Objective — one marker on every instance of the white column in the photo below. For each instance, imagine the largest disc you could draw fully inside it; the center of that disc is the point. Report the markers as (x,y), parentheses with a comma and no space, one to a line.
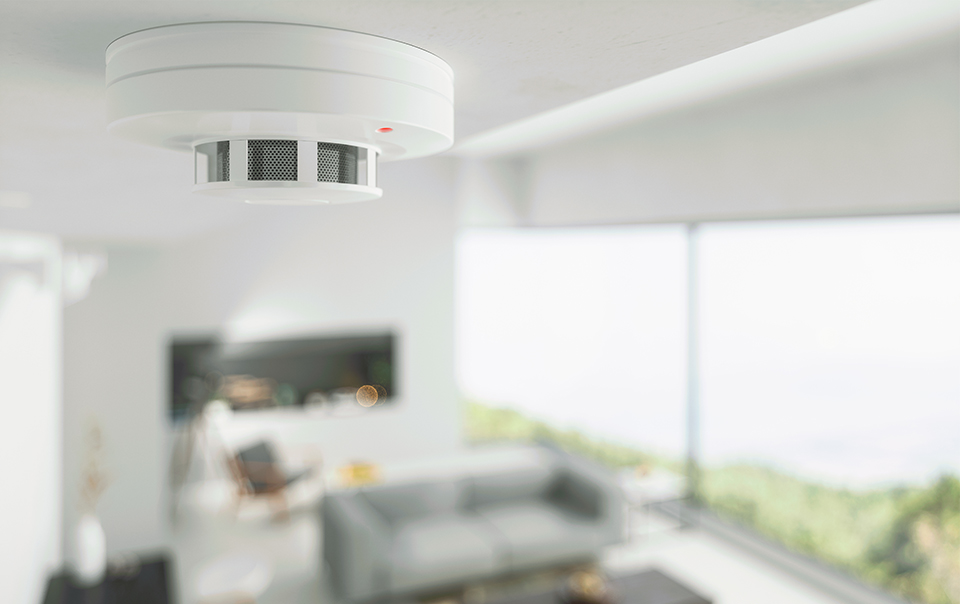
(31,430)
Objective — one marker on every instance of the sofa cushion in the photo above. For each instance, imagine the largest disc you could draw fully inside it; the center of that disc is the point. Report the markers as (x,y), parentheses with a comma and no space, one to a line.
(537,533)
(398,503)
(443,550)
(524,483)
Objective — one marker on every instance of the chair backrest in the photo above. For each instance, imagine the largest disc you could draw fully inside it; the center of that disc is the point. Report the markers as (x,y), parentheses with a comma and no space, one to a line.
(238,474)
(259,467)
(261,452)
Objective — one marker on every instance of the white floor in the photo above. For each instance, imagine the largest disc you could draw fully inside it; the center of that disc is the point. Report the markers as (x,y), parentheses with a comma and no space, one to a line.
(205,532)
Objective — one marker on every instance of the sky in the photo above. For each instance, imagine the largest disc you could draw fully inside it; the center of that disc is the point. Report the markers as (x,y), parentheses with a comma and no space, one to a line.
(829,348)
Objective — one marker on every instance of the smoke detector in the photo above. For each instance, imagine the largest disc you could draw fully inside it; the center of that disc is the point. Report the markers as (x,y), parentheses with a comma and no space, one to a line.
(277,112)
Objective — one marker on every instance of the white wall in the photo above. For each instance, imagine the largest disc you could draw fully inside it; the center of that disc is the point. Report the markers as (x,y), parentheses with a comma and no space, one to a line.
(880,135)
(288,272)
(30,329)
(386,264)
(113,362)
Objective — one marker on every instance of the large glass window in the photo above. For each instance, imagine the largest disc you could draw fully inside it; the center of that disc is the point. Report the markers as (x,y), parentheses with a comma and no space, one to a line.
(829,356)
(830,391)
(576,336)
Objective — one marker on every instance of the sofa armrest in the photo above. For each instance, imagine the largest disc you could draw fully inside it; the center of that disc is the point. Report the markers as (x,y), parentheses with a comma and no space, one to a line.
(590,490)
(356,541)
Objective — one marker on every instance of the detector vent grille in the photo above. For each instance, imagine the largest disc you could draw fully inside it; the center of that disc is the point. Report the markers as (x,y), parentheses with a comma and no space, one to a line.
(337,163)
(271,160)
(222,162)
(280,170)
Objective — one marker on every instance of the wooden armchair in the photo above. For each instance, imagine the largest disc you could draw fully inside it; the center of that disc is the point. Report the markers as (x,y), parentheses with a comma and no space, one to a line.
(258,474)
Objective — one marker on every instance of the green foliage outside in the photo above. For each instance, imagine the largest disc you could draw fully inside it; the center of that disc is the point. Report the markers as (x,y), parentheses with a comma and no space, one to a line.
(906,540)
(489,424)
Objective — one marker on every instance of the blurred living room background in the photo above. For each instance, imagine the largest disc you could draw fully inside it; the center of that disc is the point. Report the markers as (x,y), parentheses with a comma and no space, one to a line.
(730,295)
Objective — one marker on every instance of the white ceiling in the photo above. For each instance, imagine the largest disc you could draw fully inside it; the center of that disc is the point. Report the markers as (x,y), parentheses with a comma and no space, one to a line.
(512,59)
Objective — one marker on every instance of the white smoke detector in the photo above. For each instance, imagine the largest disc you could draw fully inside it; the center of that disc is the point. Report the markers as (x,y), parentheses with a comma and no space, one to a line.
(278,112)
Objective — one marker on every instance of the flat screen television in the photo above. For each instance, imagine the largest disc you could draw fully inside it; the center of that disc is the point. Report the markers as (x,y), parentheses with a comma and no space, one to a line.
(281,373)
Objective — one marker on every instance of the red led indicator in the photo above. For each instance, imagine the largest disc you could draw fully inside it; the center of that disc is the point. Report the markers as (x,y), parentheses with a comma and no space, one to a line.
(384,129)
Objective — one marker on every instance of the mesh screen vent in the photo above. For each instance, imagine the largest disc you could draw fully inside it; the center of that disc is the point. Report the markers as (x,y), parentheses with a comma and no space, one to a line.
(336,163)
(223,162)
(271,160)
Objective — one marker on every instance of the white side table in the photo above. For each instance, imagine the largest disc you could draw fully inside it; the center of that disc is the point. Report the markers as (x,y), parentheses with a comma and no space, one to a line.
(642,489)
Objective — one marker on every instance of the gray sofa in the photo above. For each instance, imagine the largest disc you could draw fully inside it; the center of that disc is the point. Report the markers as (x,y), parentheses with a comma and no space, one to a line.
(495,515)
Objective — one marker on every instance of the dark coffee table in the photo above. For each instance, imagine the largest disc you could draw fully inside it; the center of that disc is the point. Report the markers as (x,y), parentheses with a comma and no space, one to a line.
(647,587)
